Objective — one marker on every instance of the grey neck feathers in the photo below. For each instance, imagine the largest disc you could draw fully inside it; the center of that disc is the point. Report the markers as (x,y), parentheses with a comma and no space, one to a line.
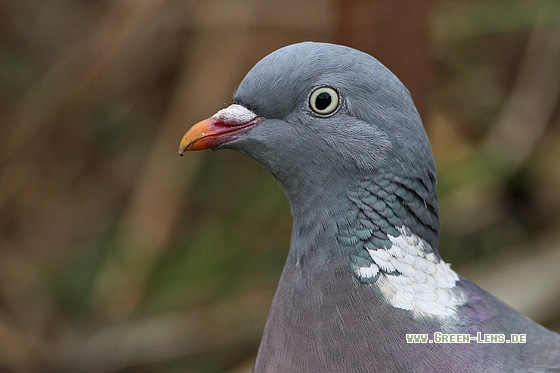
(335,221)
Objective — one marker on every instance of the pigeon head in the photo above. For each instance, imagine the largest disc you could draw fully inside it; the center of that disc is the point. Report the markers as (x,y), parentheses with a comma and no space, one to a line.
(321,107)
(322,118)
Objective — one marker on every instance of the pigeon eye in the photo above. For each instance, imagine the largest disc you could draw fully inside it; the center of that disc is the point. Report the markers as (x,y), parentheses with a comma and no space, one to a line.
(324,100)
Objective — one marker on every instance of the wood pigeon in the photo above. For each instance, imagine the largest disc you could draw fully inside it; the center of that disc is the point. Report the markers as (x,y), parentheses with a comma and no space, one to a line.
(364,288)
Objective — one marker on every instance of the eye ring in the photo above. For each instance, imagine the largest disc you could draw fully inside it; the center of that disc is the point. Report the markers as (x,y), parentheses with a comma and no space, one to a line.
(324,100)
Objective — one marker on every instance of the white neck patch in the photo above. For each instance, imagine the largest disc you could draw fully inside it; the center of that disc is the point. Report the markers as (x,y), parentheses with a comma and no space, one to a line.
(411,277)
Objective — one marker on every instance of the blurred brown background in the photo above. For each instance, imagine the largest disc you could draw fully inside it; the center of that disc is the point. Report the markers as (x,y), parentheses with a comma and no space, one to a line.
(117,255)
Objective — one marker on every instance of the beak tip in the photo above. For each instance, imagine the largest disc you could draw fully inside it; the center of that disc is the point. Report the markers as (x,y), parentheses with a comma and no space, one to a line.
(185,145)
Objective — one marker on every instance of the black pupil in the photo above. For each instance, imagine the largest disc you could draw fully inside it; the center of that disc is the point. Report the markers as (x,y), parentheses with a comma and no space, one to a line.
(323,101)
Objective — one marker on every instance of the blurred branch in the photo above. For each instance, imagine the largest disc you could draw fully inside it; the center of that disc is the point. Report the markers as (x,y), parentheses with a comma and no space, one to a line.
(395,32)
(79,68)
(166,336)
(530,106)
(155,201)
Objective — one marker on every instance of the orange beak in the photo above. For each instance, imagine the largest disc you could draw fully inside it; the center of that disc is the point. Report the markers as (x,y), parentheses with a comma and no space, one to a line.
(225,126)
